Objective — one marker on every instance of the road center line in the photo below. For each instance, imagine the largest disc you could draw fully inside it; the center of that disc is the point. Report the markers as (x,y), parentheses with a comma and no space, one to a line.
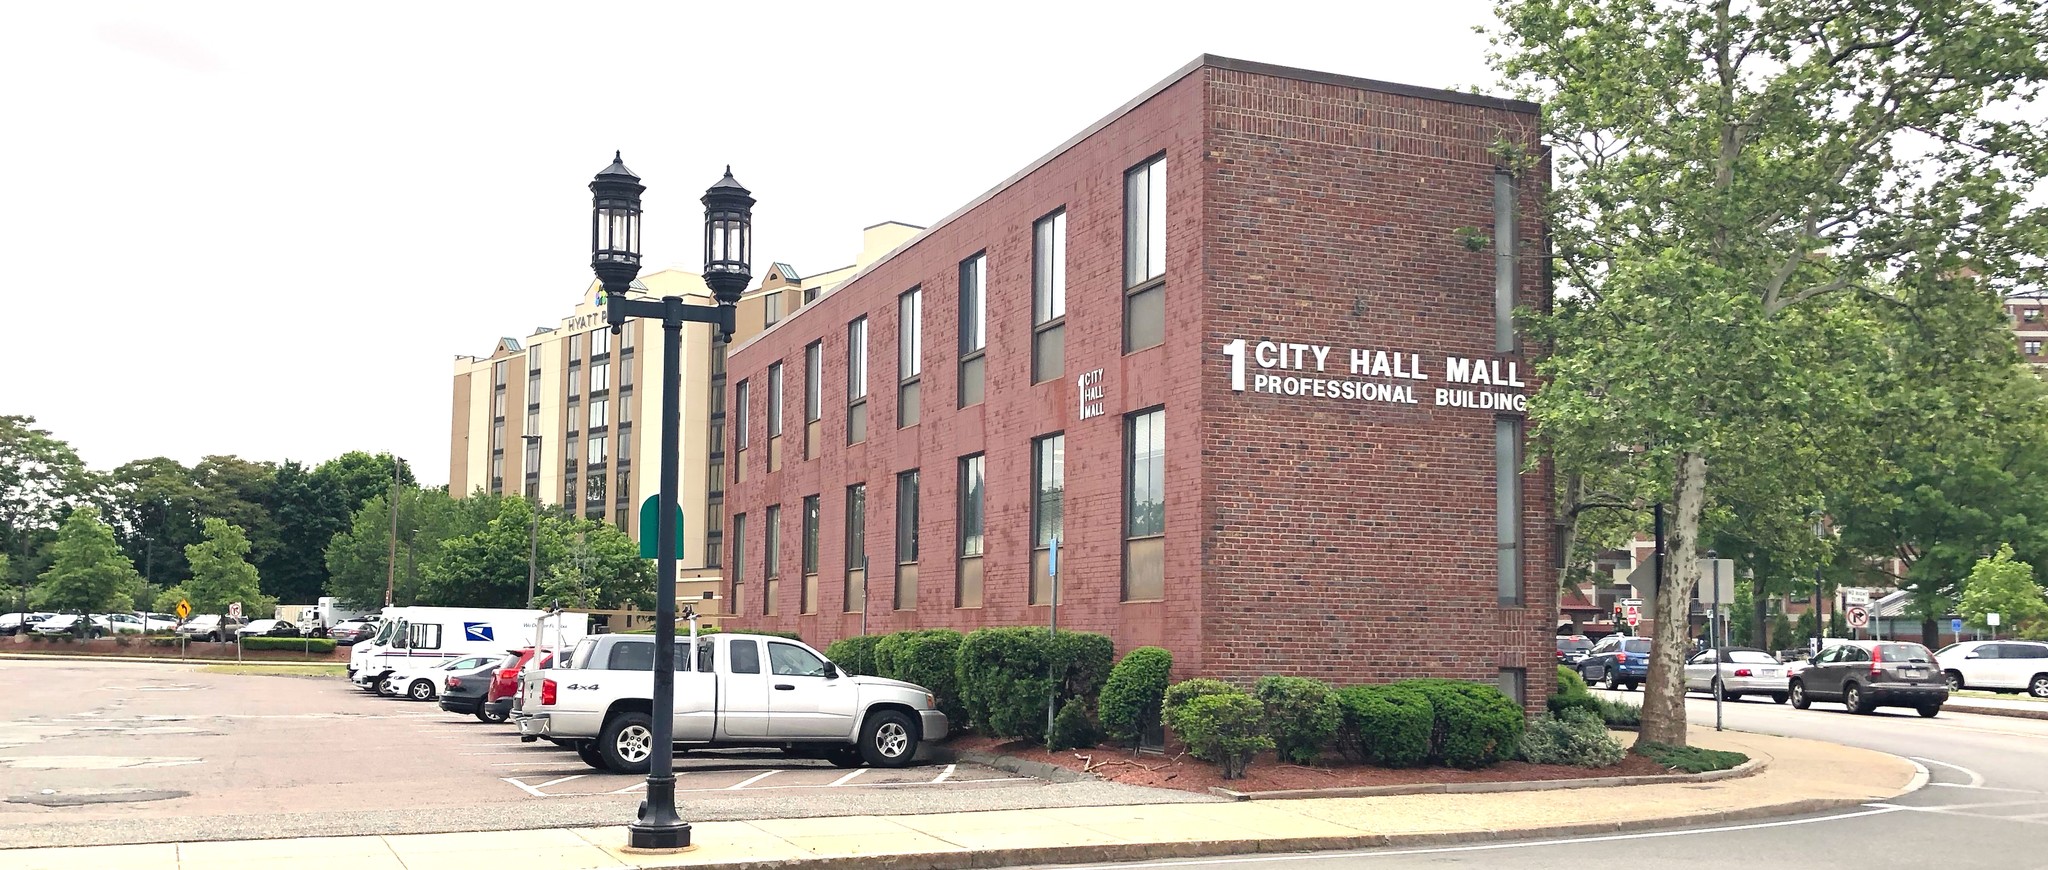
(751,780)
(1976,779)
(849,776)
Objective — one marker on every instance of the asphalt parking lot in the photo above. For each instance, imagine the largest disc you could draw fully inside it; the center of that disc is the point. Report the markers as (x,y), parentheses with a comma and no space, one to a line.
(116,752)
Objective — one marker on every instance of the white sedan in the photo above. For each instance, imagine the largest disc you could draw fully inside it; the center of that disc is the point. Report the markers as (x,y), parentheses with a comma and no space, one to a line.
(1737,671)
(422,681)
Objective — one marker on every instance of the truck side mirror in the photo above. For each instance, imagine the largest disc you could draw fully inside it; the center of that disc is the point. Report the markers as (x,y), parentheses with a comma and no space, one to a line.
(831,671)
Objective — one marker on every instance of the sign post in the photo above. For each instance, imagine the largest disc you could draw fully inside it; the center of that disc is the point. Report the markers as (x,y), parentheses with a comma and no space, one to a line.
(1991,619)
(235,611)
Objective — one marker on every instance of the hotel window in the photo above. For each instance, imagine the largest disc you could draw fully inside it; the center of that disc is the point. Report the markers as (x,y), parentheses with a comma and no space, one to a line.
(814,397)
(714,536)
(973,328)
(497,474)
(855,593)
(593,496)
(569,491)
(1048,510)
(973,507)
(906,540)
(600,376)
(626,337)
(857,381)
(1049,297)
(533,389)
(625,447)
(1507,506)
(739,564)
(498,373)
(2031,315)
(807,601)
(1503,262)
(532,462)
(771,308)
(739,433)
(625,408)
(598,407)
(1145,255)
(533,358)
(576,348)
(772,555)
(600,341)
(625,373)
(1145,506)
(532,421)
(2033,348)
(909,355)
(497,436)
(596,444)
(775,417)
(575,381)
(498,403)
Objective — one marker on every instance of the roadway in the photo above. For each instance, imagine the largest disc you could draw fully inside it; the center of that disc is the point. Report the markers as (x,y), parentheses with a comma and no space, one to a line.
(1985,806)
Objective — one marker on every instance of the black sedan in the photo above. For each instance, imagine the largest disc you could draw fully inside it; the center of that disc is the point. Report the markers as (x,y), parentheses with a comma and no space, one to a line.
(464,691)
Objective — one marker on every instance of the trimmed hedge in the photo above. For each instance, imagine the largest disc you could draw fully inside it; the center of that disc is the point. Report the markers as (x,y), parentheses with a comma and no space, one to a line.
(1133,697)
(1389,726)
(855,655)
(1474,725)
(1179,694)
(1223,727)
(1301,716)
(1576,737)
(1073,728)
(1572,694)
(1005,676)
(309,644)
(931,659)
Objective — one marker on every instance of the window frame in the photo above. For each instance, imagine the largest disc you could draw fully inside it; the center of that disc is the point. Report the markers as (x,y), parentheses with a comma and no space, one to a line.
(1048,295)
(1144,283)
(1039,591)
(1131,532)
(971,388)
(1510,547)
(909,357)
(855,553)
(857,380)
(908,514)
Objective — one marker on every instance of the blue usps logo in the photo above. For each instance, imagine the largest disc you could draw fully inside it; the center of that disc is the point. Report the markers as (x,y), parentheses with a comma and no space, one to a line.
(477,631)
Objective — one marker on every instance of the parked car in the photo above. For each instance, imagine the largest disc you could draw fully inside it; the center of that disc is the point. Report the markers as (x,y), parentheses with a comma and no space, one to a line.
(268,628)
(422,682)
(1572,649)
(737,690)
(124,623)
(352,631)
(1996,665)
(466,692)
(211,627)
(1736,671)
(1867,674)
(157,621)
(67,623)
(16,622)
(1623,662)
(504,687)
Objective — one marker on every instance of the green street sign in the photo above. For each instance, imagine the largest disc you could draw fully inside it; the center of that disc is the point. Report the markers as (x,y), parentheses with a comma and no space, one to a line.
(650,527)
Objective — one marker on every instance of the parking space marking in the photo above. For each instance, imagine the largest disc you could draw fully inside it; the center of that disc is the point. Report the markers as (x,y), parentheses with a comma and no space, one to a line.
(751,780)
(849,776)
(945,774)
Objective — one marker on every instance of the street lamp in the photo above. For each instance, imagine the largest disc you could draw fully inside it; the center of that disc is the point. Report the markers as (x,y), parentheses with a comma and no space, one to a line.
(615,258)
(532,532)
(1820,533)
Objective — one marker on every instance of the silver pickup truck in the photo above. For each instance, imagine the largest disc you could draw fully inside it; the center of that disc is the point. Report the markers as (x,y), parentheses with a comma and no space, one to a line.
(738,690)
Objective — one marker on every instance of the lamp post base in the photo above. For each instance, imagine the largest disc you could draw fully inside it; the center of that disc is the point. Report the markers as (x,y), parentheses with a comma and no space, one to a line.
(658,837)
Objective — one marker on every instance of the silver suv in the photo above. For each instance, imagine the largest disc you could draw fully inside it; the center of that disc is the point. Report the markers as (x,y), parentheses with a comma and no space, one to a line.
(1867,674)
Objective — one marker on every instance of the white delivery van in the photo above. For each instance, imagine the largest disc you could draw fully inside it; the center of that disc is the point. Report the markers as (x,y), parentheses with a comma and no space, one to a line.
(413,636)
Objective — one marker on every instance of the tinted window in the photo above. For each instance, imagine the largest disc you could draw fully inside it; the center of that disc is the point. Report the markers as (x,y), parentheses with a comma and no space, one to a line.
(581,657)
(1902,652)
(1573,644)
(1636,644)
(639,656)
(2024,651)
(1750,657)
(789,660)
(746,657)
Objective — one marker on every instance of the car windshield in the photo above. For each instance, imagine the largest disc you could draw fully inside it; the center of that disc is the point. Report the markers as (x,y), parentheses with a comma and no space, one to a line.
(1636,645)
(1902,652)
(1750,657)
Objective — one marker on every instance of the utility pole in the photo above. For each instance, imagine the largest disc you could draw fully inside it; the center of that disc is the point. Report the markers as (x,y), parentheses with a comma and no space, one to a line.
(391,560)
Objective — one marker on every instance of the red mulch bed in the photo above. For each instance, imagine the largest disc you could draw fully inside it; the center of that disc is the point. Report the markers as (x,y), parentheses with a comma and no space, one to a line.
(1268,773)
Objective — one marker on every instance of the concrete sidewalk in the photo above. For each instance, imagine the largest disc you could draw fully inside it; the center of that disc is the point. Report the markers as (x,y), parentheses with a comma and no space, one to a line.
(1799,776)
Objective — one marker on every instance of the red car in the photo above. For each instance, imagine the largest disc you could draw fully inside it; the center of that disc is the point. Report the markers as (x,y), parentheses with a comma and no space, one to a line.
(497,705)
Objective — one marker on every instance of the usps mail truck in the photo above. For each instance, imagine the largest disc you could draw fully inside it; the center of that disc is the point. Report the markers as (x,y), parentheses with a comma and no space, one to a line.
(412,636)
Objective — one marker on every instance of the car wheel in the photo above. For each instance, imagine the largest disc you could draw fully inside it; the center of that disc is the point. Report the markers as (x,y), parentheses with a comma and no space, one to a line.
(888,739)
(1955,680)
(384,688)
(588,752)
(487,713)
(421,690)
(1778,698)
(2038,686)
(213,638)
(1722,691)
(1798,696)
(1613,681)
(627,743)
(1930,711)
(1852,698)
(1631,686)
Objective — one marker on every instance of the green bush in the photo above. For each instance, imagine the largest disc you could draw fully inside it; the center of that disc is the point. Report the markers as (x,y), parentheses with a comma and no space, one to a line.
(1084,658)
(1473,725)
(1004,680)
(1569,682)
(1619,714)
(1178,694)
(1576,737)
(1225,728)
(1571,694)
(1386,725)
(931,659)
(855,655)
(1132,698)
(1073,728)
(1690,759)
(295,644)
(1301,716)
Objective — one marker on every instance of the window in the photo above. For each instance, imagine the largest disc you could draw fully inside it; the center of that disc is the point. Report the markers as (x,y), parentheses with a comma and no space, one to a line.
(497,474)
(746,656)
(498,436)
(774,416)
(1048,509)
(600,376)
(1513,682)
(532,421)
(855,593)
(814,397)
(739,564)
(1503,262)
(598,407)
(1507,506)
(973,505)
(773,558)
(576,348)
(593,494)
(533,358)
(808,601)
(1145,506)
(2033,348)
(1049,297)
(810,295)
(533,458)
(424,636)
(625,372)
(857,381)
(714,533)
(600,341)
(626,337)
(533,388)
(498,373)
(2031,315)
(739,432)
(1145,255)
(596,443)
(498,403)
(906,540)
(973,328)
(575,382)
(909,355)
(625,446)
(790,660)
(771,308)
(625,407)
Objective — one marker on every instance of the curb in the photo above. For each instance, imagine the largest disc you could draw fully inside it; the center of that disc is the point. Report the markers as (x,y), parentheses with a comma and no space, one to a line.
(2007,712)
(1747,768)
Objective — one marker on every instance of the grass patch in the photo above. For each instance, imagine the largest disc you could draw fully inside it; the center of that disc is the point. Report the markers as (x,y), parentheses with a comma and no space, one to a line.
(1997,696)
(279,670)
(1690,759)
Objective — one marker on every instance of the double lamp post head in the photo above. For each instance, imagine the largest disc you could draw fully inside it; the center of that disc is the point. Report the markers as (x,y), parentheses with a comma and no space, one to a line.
(615,238)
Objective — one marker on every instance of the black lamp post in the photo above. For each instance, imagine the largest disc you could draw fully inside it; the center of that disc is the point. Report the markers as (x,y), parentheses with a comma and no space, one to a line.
(615,257)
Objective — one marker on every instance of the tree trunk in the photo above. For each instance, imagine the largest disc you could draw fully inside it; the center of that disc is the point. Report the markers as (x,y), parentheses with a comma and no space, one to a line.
(1760,630)
(1664,693)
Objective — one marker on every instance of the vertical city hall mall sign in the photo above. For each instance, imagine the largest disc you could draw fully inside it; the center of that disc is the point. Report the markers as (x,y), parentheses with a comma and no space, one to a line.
(1372,375)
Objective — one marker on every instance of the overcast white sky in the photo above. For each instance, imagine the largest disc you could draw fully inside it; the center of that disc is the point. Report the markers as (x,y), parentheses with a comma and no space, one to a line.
(266,228)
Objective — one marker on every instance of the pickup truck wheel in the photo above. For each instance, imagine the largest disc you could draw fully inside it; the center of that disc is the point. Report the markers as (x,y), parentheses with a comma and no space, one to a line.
(845,756)
(588,752)
(627,743)
(888,739)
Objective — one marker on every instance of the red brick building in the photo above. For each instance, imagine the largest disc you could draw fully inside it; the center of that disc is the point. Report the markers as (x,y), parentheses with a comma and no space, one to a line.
(1230,347)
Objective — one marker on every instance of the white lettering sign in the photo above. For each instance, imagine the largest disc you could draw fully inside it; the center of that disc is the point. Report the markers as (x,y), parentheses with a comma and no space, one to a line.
(1294,369)
(1090,386)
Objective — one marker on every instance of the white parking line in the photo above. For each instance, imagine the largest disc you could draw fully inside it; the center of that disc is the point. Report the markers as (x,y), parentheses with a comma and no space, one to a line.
(849,776)
(751,780)
(1976,779)
(944,774)
(639,785)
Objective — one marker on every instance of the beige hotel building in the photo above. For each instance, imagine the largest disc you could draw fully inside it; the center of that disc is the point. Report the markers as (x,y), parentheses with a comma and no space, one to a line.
(594,400)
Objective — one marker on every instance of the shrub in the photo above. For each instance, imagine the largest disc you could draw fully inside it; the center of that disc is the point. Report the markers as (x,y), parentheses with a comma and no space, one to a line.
(1222,727)
(1132,698)
(1301,716)
(1003,680)
(1690,759)
(1576,737)
(1619,714)
(1386,725)
(1572,694)
(123,640)
(1084,658)
(163,641)
(1073,728)
(295,644)
(1472,726)
(855,655)
(37,638)
(931,659)
(1179,694)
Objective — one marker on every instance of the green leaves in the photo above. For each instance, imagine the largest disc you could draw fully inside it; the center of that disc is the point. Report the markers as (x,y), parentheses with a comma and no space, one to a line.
(2002,585)
(87,571)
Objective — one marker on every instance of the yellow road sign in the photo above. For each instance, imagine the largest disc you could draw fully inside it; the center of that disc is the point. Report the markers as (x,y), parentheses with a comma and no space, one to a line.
(184,608)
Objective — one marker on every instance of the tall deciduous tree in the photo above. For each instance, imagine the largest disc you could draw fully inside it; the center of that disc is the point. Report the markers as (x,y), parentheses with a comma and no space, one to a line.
(2003,585)
(601,568)
(41,479)
(357,558)
(155,510)
(358,476)
(238,490)
(222,575)
(88,571)
(1726,175)
(307,509)
(488,567)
